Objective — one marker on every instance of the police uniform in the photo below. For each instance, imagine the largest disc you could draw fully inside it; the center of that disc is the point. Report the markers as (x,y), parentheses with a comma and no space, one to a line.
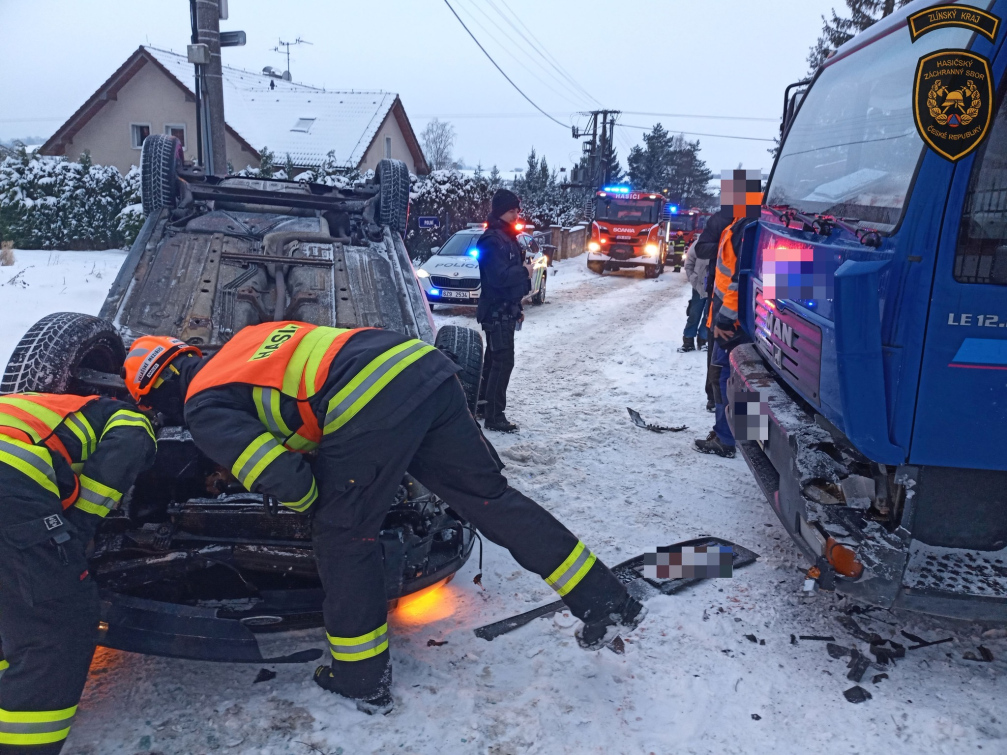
(373,405)
(65,462)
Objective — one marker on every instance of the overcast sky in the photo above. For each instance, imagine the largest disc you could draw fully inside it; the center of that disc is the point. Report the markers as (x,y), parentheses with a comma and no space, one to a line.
(679,58)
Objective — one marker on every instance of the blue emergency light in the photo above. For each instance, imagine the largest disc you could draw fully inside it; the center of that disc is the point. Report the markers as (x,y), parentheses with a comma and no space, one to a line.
(617,189)
(435,292)
(474,253)
(673,209)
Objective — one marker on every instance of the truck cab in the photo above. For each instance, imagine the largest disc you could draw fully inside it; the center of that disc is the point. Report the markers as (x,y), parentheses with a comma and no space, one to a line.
(874,292)
(627,231)
(682,228)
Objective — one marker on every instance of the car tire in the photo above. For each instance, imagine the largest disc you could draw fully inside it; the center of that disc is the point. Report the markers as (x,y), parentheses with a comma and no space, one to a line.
(393,198)
(160,159)
(49,355)
(464,346)
(596,267)
(539,297)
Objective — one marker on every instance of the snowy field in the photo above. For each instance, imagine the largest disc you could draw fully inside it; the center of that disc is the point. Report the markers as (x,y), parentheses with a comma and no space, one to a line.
(690,681)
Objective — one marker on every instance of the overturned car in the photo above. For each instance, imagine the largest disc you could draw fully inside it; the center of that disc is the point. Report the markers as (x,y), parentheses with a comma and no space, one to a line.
(192,565)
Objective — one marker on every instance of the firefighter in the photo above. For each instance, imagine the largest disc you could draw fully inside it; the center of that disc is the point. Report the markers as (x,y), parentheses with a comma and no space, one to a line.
(372,405)
(505,282)
(722,320)
(65,462)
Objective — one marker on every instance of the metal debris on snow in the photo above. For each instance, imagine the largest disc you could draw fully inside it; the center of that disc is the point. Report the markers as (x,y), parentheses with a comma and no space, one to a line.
(640,422)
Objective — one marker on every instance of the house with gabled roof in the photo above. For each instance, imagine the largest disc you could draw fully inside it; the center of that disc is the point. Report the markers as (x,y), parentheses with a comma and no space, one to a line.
(153,92)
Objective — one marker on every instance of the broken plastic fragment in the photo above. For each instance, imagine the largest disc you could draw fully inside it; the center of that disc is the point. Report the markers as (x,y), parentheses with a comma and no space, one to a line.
(264,675)
(857,694)
(640,422)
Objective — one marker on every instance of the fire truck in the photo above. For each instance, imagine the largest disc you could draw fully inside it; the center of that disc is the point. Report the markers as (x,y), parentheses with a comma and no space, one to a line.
(628,231)
(682,229)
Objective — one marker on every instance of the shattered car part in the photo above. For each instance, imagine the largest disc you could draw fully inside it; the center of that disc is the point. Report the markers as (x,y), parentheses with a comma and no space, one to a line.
(639,422)
(630,573)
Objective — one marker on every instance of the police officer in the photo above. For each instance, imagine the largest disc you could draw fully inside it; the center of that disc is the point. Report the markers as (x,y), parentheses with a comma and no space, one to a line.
(505,282)
(65,462)
(373,405)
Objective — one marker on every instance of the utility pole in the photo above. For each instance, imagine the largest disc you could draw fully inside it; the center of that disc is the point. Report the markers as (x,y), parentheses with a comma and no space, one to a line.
(601,130)
(208,13)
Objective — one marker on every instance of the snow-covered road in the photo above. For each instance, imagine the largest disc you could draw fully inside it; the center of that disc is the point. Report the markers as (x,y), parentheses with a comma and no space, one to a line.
(690,680)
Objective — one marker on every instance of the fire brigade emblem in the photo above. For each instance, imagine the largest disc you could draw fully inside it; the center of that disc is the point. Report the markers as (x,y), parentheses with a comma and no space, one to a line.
(953,101)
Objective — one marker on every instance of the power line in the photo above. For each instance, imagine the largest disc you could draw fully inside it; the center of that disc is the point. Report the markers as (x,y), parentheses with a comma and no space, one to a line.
(528,36)
(714,117)
(513,48)
(694,133)
(496,65)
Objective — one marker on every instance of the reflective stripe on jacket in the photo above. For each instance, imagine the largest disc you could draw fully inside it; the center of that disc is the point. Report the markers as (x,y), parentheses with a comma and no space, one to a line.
(289,358)
(29,420)
(725,286)
(86,450)
(276,389)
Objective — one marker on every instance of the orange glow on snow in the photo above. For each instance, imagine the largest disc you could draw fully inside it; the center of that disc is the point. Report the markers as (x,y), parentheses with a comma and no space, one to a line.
(426,606)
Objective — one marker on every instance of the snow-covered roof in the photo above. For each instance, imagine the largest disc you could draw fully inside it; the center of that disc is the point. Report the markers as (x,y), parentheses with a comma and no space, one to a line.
(341,121)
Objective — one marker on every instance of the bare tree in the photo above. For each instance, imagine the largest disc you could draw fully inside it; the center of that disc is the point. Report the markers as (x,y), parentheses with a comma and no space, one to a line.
(438,140)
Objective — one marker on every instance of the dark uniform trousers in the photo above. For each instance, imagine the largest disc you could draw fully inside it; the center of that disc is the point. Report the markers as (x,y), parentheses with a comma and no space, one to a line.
(497,366)
(439,444)
(49,613)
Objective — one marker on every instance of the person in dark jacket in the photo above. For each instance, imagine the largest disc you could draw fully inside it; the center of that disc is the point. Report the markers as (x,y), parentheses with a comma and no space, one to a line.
(505,282)
(327,421)
(65,462)
(709,240)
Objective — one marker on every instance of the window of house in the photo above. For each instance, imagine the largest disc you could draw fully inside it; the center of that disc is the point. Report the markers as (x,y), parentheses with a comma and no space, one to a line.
(304,125)
(137,133)
(388,146)
(177,130)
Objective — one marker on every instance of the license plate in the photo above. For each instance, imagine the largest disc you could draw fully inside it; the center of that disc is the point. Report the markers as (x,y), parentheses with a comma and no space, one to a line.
(455,294)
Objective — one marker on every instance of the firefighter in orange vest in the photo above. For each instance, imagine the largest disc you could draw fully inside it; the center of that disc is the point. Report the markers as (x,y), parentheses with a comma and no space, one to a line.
(372,405)
(65,462)
(722,321)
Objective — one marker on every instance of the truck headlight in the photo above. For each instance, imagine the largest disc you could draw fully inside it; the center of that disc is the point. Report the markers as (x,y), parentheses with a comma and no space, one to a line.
(593,246)
(651,249)
(421,273)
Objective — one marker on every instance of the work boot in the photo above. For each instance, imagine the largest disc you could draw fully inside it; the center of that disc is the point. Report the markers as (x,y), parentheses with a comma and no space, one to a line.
(712,445)
(381,702)
(501,425)
(688,344)
(710,406)
(596,634)
(701,344)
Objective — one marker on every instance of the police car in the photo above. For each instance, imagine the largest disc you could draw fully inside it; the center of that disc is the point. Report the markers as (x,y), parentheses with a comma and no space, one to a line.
(451,275)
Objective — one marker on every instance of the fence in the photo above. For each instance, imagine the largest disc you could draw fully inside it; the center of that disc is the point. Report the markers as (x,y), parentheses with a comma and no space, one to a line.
(569,242)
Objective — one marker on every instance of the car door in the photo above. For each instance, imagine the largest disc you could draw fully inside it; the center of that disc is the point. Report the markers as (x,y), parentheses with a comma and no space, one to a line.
(961,409)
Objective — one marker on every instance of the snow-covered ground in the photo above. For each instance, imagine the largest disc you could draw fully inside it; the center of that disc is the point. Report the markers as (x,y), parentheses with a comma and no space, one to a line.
(690,680)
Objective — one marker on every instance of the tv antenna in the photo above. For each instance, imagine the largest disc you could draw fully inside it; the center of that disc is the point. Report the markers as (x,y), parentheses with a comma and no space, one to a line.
(288,45)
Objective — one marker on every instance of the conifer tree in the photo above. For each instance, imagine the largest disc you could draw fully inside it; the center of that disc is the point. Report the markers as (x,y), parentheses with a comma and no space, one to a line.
(837,31)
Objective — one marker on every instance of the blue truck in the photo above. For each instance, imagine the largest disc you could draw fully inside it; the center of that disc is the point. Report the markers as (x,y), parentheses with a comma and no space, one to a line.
(874,291)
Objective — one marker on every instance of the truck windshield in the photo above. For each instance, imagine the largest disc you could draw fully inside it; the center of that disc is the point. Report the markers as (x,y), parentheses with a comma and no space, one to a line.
(853,148)
(459,245)
(625,211)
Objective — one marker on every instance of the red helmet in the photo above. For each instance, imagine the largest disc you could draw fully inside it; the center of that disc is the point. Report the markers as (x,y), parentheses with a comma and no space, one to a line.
(147,359)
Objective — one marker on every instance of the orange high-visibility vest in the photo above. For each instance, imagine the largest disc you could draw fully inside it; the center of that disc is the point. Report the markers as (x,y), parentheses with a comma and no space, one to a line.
(287,356)
(33,418)
(724,288)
